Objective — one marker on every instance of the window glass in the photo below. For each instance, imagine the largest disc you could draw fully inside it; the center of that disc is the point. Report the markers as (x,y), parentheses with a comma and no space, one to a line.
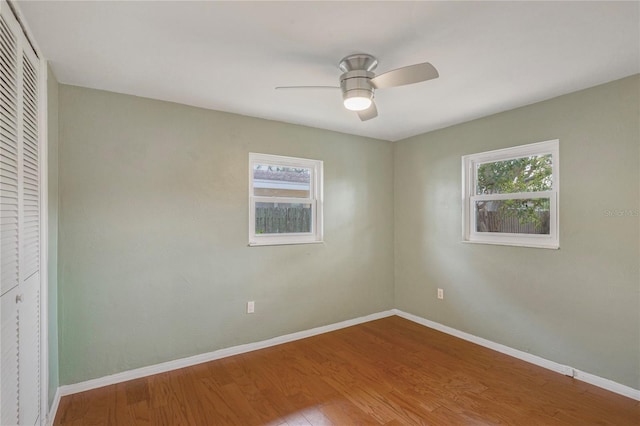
(520,216)
(280,181)
(524,174)
(283,218)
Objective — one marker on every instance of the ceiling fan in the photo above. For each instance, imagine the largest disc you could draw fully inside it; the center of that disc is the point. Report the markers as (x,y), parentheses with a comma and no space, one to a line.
(358,82)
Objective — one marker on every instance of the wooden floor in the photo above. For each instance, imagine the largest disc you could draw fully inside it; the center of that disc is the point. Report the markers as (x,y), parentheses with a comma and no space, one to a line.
(385,372)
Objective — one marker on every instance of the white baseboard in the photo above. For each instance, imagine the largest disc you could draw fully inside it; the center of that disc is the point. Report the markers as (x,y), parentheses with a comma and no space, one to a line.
(210,356)
(592,379)
(54,409)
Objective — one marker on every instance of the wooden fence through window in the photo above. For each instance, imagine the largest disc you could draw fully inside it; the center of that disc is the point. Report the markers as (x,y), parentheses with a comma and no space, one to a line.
(496,221)
(280,220)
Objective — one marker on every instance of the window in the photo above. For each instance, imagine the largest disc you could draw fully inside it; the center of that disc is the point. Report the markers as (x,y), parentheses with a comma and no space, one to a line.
(285,200)
(510,196)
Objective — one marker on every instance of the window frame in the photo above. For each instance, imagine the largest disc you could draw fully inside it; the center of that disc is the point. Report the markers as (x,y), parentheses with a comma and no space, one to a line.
(314,199)
(469,196)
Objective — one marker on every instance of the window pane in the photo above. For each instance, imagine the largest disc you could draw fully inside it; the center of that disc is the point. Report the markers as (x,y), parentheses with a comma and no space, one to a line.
(283,218)
(526,216)
(525,174)
(278,181)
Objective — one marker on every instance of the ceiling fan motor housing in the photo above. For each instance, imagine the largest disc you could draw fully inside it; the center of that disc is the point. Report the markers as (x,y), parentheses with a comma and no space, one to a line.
(356,80)
(357,83)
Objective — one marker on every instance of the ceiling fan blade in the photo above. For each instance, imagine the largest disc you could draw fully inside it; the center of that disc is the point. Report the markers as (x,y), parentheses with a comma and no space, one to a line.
(306,87)
(369,113)
(405,75)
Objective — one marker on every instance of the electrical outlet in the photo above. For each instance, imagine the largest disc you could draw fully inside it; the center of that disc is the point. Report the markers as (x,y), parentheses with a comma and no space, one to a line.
(251,307)
(440,294)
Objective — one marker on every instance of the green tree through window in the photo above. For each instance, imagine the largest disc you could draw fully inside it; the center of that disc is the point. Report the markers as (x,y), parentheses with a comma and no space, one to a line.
(518,175)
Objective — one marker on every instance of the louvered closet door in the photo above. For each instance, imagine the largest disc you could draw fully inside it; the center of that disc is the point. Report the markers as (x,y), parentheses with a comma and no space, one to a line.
(19,226)
(9,347)
(29,309)
(8,158)
(8,224)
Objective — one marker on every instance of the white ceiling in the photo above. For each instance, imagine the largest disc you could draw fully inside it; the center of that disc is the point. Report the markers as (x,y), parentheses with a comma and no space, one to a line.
(229,56)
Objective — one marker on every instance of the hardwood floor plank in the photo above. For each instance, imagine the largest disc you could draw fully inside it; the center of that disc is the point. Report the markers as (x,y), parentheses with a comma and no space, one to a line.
(316,417)
(168,399)
(386,372)
(343,412)
(140,413)
(136,390)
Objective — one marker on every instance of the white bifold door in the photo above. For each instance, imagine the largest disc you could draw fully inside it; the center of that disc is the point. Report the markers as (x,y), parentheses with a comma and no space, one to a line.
(20,233)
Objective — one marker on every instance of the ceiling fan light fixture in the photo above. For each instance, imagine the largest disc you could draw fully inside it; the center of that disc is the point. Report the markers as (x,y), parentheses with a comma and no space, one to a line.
(357,103)
(357,100)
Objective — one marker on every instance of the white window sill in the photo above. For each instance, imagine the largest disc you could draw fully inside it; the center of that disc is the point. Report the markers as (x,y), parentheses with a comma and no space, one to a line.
(281,243)
(514,244)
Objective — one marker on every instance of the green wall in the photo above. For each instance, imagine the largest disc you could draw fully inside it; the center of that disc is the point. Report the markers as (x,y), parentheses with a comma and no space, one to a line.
(580,305)
(153,256)
(52,267)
